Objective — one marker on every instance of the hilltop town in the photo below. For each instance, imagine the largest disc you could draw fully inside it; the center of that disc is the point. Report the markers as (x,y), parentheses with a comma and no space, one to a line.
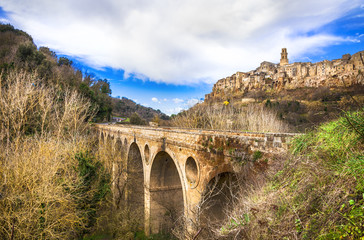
(343,72)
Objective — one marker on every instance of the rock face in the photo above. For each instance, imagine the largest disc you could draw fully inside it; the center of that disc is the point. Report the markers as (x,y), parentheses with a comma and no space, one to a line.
(342,72)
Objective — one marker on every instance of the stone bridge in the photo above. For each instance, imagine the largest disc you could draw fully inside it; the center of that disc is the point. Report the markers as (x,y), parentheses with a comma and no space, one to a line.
(167,170)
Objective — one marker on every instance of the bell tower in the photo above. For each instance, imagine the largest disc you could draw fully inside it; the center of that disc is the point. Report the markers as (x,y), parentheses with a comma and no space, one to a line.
(284,58)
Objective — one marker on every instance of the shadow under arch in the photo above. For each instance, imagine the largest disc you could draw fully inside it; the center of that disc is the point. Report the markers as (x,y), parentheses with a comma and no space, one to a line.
(166,194)
(218,196)
(134,187)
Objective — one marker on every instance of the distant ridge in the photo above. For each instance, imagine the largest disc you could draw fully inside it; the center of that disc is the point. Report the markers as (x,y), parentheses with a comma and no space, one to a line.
(124,107)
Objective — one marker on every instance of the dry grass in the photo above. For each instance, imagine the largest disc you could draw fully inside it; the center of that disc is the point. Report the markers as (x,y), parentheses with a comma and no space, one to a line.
(317,194)
(254,118)
(37,179)
(29,107)
(41,131)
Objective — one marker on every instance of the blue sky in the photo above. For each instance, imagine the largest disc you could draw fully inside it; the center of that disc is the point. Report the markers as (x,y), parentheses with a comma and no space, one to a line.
(168,54)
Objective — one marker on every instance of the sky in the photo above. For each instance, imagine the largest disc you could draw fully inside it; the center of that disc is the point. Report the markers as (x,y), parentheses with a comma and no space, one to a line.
(168,54)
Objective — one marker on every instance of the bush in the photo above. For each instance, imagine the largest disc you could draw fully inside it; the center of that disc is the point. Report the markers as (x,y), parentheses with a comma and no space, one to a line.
(136,119)
(339,144)
(252,118)
(317,194)
(44,195)
(27,107)
(47,191)
(91,187)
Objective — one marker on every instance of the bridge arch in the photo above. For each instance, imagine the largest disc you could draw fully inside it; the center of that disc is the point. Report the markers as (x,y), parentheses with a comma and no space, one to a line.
(135,184)
(218,196)
(167,195)
(118,171)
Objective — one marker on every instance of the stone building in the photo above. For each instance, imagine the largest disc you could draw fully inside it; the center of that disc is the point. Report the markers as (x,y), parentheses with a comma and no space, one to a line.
(292,75)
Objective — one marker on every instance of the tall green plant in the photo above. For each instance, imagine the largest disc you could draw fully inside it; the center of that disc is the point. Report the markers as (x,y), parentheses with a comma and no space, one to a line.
(92,187)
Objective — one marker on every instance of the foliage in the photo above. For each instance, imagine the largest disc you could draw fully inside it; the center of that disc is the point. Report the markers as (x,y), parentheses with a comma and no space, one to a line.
(316,194)
(136,119)
(229,117)
(257,155)
(64,61)
(45,192)
(28,107)
(340,143)
(126,107)
(10,28)
(38,185)
(92,186)
(18,53)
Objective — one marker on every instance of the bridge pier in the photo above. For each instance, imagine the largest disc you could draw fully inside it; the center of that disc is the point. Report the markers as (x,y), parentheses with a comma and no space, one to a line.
(147,212)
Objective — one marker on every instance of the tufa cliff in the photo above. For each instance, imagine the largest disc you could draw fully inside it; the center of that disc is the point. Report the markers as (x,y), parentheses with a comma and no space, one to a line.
(342,72)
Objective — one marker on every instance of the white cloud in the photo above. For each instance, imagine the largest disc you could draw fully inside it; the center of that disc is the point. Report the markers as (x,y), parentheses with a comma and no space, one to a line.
(154,99)
(192,102)
(175,110)
(178,100)
(186,42)
(165,100)
(4,20)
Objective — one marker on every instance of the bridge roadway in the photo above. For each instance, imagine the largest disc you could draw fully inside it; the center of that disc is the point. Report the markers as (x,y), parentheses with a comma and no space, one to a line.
(166,170)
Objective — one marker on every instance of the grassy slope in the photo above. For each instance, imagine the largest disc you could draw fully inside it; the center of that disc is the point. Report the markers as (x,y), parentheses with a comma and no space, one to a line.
(318,194)
(304,108)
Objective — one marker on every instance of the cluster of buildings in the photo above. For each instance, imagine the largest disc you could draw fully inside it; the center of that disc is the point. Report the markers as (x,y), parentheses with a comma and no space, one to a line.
(339,72)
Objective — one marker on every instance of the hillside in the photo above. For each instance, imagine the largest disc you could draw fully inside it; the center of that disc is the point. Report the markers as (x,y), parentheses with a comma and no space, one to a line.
(18,52)
(303,94)
(125,107)
(313,191)
(52,181)
(344,72)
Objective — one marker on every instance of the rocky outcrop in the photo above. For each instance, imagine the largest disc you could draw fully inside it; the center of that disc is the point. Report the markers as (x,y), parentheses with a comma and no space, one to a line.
(343,72)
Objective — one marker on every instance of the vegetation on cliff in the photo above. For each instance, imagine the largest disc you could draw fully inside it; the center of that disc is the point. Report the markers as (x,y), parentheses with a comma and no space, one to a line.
(51,182)
(253,117)
(317,193)
(18,52)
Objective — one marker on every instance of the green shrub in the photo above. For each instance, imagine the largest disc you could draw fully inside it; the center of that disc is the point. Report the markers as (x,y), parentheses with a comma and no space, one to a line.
(339,145)
(257,155)
(136,119)
(92,187)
